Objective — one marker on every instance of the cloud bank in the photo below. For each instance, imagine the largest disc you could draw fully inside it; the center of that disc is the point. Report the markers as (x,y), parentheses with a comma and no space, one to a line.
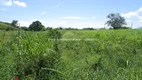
(16,2)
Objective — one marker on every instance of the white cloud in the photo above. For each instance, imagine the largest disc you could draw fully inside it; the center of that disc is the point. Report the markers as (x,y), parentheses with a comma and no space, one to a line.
(7,3)
(129,14)
(134,16)
(3,9)
(43,13)
(132,13)
(140,9)
(69,18)
(21,4)
(10,2)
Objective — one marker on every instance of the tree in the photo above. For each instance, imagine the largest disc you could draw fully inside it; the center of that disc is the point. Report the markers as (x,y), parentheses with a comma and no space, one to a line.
(36,26)
(116,20)
(14,23)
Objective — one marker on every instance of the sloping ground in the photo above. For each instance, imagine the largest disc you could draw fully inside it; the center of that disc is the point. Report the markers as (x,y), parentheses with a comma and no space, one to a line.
(5,26)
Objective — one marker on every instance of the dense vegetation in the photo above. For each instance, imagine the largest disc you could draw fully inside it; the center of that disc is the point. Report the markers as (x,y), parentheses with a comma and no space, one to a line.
(71,55)
(6,26)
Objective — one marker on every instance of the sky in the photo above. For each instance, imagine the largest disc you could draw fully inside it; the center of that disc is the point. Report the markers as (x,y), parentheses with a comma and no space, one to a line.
(70,13)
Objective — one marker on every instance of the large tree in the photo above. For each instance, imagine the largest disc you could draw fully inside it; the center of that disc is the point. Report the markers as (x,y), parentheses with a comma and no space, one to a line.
(115,20)
(36,26)
(14,23)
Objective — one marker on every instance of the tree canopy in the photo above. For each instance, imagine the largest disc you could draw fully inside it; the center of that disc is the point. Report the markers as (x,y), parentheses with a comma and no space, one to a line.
(115,20)
(14,23)
(36,26)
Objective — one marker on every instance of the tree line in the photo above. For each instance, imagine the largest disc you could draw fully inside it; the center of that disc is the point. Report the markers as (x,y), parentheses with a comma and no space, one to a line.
(115,21)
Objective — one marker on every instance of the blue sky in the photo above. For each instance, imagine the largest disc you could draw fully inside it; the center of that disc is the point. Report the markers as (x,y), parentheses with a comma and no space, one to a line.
(70,13)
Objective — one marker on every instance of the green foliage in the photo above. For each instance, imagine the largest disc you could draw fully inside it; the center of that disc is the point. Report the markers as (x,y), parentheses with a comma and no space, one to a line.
(25,28)
(6,26)
(26,59)
(54,34)
(14,23)
(115,20)
(36,26)
(108,55)
(125,27)
(37,55)
(7,64)
(10,29)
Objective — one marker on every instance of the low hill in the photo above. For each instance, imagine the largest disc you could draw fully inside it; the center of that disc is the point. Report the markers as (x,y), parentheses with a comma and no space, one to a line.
(4,26)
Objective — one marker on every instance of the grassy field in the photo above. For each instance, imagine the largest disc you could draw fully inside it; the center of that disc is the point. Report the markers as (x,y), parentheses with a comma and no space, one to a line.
(76,55)
(4,26)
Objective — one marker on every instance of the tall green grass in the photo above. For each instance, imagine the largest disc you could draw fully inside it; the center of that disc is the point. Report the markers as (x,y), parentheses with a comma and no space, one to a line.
(27,54)
(109,55)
